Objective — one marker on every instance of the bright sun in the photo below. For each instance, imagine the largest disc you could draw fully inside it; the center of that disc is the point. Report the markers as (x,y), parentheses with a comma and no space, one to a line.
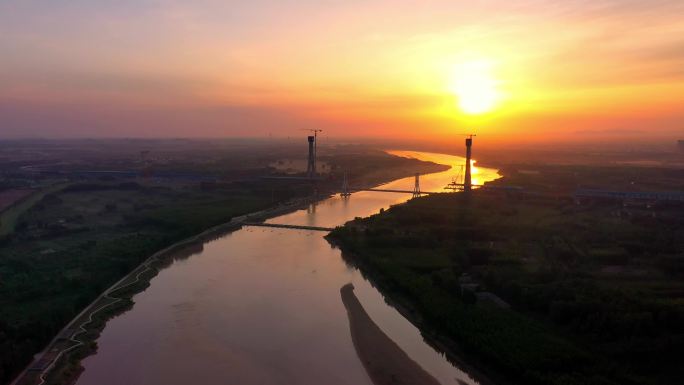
(475,87)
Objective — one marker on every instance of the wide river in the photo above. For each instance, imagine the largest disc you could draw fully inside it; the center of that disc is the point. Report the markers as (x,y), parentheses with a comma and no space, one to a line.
(263,306)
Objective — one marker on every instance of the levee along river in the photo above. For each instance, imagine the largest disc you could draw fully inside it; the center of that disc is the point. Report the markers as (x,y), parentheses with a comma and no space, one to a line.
(262,306)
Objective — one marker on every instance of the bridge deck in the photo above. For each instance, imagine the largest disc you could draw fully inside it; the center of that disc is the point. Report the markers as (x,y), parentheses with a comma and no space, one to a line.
(396,191)
(284,226)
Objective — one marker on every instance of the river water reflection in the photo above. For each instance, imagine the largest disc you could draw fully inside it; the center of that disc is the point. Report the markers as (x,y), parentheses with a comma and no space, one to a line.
(262,306)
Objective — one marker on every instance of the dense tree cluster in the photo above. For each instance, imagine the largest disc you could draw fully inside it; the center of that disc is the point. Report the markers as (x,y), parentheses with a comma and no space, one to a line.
(73,244)
(596,290)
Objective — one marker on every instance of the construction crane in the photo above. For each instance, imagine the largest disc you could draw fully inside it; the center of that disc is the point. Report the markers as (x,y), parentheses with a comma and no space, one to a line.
(456,181)
(314,130)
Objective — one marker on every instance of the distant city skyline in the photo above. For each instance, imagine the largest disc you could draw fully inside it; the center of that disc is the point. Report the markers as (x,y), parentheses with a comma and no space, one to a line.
(543,70)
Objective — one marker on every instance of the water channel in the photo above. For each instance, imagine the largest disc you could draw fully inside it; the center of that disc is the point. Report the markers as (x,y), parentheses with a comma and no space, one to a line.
(262,306)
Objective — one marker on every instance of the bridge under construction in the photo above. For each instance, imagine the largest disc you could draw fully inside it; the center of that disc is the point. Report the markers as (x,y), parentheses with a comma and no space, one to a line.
(285,226)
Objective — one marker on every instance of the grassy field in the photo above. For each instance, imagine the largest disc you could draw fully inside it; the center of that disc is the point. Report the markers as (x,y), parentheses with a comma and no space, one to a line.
(595,291)
(8,217)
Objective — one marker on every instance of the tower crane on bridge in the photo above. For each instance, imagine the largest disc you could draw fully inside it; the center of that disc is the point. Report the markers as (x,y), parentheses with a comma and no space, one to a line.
(314,130)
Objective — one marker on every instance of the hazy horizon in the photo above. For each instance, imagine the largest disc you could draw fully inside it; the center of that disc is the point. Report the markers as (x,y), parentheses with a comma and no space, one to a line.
(485,147)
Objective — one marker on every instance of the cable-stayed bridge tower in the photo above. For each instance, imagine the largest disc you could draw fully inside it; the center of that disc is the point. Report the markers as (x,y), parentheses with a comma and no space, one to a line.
(311,164)
(313,144)
(467,180)
(416,186)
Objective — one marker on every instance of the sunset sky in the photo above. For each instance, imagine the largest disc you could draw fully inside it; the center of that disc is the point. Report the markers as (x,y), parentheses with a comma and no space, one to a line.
(542,69)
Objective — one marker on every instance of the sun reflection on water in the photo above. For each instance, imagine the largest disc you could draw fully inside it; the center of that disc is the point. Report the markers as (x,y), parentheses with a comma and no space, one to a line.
(437,181)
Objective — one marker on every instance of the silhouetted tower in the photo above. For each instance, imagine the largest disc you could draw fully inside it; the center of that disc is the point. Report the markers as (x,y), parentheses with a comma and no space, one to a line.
(416,186)
(313,144)
(345,186)
(311,166)
(467,179)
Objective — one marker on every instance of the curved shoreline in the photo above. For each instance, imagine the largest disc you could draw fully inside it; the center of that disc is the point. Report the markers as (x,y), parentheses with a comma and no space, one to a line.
(101,309)
(80,323)
(446,346)
(385,362)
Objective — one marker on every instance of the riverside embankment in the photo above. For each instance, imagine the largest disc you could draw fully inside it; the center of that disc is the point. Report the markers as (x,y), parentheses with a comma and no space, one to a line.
(262,305)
